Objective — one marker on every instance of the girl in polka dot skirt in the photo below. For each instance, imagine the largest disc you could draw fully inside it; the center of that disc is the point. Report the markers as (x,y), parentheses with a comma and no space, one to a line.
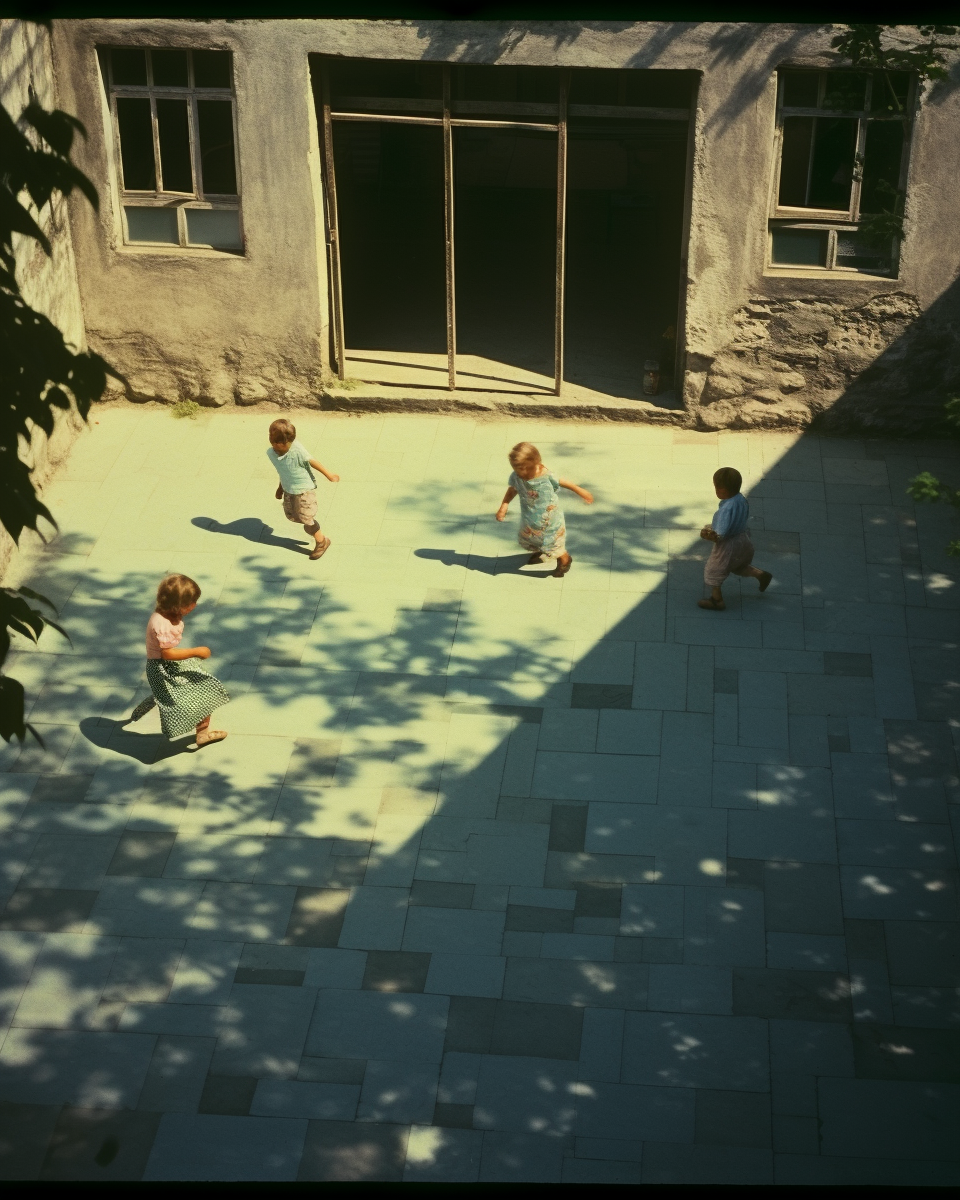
(186,694)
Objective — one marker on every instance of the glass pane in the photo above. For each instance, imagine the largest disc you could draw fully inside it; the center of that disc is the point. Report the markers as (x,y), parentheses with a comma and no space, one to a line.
(174,146)
(659,89)
(854,250)
(211,68)
(595,86)
(834,146)
(394,80)
(169,68)
(537,84)
(214,227)
(890,88)
(845,90)
(881,166)
(216,147)
(128,67)
(795,161)
(800,88)
(152,225)
(799,247)
(136,145)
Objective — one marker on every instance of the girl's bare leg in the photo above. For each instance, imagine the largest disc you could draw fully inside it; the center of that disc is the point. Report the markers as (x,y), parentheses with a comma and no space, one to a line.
(205,734)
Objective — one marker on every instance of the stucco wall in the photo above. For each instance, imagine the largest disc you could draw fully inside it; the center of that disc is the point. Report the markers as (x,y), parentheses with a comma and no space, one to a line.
(216,327)
(48,284)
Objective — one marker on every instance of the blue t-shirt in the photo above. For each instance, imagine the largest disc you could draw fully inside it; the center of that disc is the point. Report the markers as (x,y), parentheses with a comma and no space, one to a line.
(731,517)
(294,469)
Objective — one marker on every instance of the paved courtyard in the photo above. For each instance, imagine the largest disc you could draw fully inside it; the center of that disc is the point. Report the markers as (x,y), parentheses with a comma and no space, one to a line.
(497,877)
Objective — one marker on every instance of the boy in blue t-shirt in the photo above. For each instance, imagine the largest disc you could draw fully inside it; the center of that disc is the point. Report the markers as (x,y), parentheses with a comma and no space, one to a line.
(732,551)
(298,485)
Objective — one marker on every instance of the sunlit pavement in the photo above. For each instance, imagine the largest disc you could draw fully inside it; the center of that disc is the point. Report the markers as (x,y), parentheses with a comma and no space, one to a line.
(497,876)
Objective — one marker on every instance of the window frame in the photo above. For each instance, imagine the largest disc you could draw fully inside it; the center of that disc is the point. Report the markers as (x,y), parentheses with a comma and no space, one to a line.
(159,197)
(830,220)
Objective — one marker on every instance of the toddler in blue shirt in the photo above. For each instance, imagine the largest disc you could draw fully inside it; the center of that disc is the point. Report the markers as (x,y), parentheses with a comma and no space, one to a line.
(298,485)
(732,552)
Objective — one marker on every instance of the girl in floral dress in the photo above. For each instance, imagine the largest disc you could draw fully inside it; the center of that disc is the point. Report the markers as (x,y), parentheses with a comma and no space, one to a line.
(542,528)
(186,694)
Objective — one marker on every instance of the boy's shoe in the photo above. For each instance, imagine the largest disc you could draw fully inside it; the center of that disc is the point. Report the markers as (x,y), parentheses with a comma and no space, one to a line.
(321,550)
(715,605)
(765,581)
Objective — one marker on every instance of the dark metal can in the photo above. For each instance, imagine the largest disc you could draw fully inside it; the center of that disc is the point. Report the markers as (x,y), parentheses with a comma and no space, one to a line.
(651,377)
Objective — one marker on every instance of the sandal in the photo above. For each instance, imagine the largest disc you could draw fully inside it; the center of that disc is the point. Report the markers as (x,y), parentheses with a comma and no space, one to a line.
(715,605)
(321,550)
(535,558)
(765,579)
(210,735)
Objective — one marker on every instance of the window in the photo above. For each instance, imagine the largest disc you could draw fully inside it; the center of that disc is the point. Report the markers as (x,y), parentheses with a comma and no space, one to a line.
(173,113)
(843,138)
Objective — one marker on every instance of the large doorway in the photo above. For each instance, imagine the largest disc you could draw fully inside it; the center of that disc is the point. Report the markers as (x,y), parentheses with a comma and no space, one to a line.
(505,229)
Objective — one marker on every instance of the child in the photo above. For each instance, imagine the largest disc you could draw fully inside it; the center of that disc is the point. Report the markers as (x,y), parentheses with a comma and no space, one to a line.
(541,519)
(187,695)
(298,485)
(732,552)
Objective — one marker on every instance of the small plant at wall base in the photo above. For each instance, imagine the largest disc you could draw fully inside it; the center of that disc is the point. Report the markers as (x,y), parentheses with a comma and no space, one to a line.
(928,489)
(185,408)
(39,373)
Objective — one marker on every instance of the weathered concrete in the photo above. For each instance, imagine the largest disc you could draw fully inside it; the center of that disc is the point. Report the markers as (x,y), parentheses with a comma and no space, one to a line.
(221,328)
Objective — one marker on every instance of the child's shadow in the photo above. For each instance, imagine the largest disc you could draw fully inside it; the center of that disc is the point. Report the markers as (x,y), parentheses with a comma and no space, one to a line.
(146,748)
(489,565)
(251,528)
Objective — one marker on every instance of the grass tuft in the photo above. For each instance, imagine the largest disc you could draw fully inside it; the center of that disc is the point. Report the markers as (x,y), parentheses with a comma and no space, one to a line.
(185,408)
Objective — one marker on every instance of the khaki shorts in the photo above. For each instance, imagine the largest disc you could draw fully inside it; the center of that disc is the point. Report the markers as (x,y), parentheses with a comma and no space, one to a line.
(729,557)
(302,508)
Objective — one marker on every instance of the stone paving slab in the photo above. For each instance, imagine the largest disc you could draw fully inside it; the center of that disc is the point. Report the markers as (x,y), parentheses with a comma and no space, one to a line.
(498,877)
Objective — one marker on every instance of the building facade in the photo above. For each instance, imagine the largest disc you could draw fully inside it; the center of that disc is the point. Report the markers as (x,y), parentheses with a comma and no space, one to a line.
(429,211)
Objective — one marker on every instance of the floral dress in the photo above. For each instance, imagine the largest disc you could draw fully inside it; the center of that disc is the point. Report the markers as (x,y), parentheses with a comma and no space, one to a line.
(542,528)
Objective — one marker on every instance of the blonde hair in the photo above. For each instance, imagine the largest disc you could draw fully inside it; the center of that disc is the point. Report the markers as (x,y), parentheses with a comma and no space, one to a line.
(176,593)
(282,431)
(524,452)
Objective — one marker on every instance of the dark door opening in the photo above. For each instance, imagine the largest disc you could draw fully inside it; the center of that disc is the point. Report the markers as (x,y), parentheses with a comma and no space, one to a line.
(505,211)
(447,193)
(390,193)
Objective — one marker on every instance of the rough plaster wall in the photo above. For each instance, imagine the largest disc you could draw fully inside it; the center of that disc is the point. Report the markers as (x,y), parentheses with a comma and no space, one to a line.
(213,327)
(48,284)
(198,324)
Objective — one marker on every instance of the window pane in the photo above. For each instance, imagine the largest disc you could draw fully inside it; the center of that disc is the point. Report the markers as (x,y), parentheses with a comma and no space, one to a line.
(169,68)
(216,147)
(136,145)
(845,90)
(799,247)
(888,88)
(800,88)
(795,161)
(834,145)
(128,67)
(881,166)
(152,225)
(214,227)
(853,250)
(174,146)
(211,68)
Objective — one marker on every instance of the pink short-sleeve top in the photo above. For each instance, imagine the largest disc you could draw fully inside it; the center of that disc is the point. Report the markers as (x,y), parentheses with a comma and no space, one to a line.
(162,634)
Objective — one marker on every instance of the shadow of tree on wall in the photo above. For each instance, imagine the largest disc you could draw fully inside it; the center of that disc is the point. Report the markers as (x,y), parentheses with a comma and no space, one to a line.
(373,748)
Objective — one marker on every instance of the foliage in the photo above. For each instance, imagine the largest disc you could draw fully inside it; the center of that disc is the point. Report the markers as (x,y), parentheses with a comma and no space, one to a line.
(863,46)
(922,57)
(186,408)
(39,373)
(927,488)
